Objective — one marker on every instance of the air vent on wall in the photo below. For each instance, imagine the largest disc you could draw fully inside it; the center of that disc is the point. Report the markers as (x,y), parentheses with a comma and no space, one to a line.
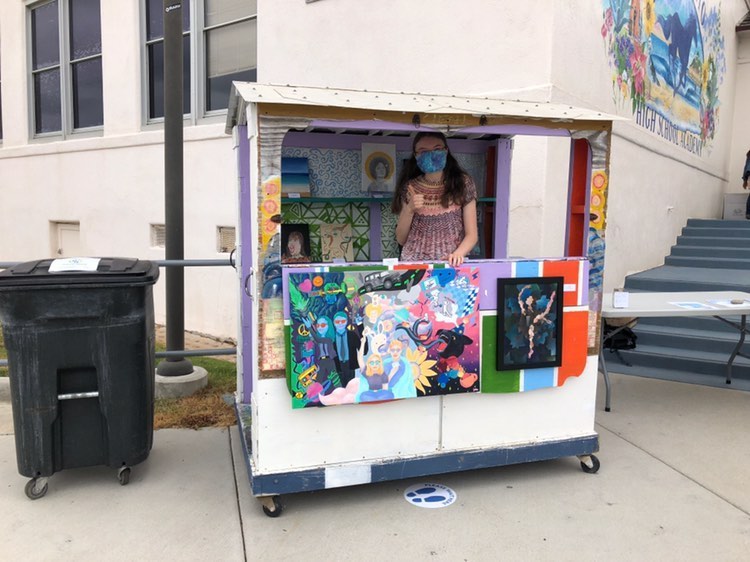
(225,239)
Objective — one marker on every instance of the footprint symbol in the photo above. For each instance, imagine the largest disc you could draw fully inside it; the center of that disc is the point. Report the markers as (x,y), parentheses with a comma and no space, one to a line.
(425,495)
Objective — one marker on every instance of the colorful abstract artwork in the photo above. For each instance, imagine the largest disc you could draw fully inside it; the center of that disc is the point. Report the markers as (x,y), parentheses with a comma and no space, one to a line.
(668,62)
(530,323)
(574,303)
(359,335)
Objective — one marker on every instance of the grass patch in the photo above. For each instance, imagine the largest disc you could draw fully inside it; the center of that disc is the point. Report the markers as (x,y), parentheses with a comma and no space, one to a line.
(3,355)
(206,408)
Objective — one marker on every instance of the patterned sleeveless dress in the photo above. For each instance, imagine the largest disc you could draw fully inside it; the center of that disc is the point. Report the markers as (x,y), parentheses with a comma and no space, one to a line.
(435,231)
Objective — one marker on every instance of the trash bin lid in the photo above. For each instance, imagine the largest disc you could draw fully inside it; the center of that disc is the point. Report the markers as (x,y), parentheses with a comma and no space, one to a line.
(79,271)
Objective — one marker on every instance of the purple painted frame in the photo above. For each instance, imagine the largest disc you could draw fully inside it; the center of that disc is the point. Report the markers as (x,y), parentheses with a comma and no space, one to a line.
(247,242)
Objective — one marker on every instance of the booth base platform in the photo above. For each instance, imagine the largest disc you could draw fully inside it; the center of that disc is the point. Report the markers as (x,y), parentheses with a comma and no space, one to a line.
(271,485)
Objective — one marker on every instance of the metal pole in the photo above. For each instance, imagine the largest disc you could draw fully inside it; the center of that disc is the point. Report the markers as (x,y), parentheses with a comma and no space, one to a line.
(173,193)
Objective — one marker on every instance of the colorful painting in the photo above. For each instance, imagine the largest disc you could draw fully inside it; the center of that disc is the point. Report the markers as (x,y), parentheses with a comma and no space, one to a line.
(368,335)
(295,240)
(295,177)
(336,242)
(378,168)
(668,63)
(272,335)
(529,334)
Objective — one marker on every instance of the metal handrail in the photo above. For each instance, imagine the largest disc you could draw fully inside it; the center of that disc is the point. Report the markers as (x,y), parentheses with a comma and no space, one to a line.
(208,352)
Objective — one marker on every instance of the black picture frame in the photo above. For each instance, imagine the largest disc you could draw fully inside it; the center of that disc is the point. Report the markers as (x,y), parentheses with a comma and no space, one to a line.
(302,230)
(515,349)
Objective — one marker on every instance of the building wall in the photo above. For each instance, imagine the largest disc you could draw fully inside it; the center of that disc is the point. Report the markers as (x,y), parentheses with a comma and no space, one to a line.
(741,131)
(538,50)
(654,186)
(112,183)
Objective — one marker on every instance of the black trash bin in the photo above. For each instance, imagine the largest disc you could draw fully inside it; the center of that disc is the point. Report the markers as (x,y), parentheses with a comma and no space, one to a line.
(80,340)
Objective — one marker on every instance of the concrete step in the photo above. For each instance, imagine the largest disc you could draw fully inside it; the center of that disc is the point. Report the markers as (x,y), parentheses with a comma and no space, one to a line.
(716,231)
(668,278)
(711,341)
(696,323)
(713,241)
(709,262)
(710,252)
(685,360)
(718,223)
(614,365)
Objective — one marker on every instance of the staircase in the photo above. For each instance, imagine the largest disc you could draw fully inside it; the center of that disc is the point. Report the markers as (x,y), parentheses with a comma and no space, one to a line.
(710,255)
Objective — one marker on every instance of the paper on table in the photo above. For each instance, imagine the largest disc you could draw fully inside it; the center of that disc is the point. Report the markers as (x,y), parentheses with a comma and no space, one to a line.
(729,303)
(620,299)
(692,305)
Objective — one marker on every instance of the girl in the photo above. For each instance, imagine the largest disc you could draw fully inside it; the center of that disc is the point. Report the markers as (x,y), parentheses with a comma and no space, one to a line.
(435,201)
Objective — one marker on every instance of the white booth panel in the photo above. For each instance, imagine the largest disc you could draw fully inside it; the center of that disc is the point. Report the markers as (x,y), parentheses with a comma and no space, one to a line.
(499,420)
(287,439)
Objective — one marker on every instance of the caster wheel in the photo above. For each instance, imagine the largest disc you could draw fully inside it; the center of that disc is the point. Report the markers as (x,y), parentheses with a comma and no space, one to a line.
(123,475)
(33,491)
(591,469)
(277,508)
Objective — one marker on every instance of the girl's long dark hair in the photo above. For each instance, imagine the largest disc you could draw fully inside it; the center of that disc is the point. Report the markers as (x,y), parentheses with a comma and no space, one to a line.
(454,175)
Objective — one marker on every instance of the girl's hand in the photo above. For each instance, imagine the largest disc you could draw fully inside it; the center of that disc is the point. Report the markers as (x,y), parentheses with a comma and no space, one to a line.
(455,259)
(414,201)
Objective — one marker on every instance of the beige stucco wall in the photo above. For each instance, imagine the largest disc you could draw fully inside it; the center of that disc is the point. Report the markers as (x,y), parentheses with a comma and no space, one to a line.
(538,50)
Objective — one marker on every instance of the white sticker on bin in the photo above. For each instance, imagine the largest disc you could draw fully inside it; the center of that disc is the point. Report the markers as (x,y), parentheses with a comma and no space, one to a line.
(74,264)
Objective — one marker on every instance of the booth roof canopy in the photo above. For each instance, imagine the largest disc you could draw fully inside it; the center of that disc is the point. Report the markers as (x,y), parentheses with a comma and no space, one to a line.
(244,93)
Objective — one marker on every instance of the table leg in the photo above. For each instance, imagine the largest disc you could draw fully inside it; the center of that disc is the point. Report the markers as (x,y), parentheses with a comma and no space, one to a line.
(603,365)
(743,324)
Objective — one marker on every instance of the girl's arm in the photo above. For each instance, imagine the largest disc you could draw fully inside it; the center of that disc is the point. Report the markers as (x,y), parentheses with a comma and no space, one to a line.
(471,236)
(406,215)
(404,224)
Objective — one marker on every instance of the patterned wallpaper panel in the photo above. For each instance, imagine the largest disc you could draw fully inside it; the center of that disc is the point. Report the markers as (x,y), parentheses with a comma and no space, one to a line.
(315,214)
(336,172)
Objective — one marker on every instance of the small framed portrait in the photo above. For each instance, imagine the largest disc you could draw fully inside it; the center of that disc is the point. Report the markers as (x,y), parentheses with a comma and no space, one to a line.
(378,168)
(529,320)
(295,243)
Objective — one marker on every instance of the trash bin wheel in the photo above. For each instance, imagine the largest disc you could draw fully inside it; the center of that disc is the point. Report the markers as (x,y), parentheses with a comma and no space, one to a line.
(33,492)
(268,510)
(591,469)
(123,475)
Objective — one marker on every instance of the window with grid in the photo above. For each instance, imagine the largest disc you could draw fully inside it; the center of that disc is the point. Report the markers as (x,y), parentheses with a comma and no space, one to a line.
(66,66)
(224,49)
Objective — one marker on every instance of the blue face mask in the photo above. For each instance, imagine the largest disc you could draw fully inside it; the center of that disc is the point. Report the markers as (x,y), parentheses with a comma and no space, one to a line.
(432,161)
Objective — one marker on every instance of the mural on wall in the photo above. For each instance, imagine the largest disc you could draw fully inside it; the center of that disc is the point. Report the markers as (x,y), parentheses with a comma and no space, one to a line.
(357,335)
(668,63)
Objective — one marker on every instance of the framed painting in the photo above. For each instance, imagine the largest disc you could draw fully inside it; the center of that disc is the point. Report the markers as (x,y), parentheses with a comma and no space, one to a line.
(295,243)
(529,322)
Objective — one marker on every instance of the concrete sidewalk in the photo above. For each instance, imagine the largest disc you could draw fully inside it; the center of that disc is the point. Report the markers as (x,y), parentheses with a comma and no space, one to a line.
(673,485)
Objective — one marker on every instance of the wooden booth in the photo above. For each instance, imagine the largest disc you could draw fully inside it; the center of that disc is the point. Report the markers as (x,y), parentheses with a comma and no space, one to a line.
(327,308)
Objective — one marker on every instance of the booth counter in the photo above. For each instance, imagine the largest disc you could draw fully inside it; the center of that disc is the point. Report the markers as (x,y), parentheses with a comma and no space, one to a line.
(354,367)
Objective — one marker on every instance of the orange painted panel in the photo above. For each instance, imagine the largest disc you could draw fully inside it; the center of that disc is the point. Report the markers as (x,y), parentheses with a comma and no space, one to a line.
(575,335)
(568,270)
